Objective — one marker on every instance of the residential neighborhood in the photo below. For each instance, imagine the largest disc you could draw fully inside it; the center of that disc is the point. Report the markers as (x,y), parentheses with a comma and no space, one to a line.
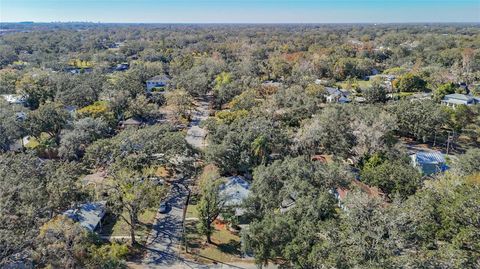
(155,145)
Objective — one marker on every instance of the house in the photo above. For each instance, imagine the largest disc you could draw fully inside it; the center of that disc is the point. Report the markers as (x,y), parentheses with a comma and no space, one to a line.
(15,99)
(135,122)
(235,190)
(421,96)
(122,67)
(342,193)
(429,162)
(75,70)
(335,95)
(460,99)
(319,81)
(157,82)
(88,215)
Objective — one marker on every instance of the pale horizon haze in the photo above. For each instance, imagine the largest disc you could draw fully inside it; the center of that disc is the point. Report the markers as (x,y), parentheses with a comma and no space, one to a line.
(245,11)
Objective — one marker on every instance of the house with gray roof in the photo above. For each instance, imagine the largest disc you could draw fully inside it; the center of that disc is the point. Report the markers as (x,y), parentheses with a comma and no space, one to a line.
(235,190)
(335,95)
(456,99)
(88,215)
(429,162)
(160,81)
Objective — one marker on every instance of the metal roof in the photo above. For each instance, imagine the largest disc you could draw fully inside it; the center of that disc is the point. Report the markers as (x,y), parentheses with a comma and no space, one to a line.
(235,190)
(88,215)
(429,157)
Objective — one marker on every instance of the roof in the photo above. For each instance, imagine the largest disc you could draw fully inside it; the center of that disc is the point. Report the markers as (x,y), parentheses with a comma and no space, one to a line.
(95,178)
(428,157)
(159,78)
(132,121)
(335,91)
(88,215)
(429,162)
(370,191)
(13,98)
(235,190)
(458,96)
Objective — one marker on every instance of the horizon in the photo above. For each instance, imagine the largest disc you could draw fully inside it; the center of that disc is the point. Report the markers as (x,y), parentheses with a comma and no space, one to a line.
(241,12)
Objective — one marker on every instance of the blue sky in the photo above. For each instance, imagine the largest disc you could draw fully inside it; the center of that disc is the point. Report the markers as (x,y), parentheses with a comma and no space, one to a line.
(241,11)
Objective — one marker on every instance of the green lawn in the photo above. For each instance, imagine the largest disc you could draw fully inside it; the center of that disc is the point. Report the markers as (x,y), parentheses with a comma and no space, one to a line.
(118,226)
(226,247)
(192,212)
(363,84)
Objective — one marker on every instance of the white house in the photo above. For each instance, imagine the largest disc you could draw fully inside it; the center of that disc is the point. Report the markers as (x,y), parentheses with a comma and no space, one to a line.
(460,99)
(157,82)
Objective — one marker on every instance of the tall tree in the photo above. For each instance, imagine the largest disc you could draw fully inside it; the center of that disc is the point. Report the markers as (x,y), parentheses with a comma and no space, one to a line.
(209,207)
(131,194)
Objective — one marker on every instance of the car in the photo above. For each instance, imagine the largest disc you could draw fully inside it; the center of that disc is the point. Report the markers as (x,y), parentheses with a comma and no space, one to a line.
(163,208)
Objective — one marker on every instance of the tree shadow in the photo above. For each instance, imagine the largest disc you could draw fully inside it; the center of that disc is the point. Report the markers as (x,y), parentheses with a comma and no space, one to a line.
(232,247)
(107,225)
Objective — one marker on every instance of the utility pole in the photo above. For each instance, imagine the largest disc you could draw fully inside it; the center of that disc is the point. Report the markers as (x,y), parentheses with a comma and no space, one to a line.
(449,138)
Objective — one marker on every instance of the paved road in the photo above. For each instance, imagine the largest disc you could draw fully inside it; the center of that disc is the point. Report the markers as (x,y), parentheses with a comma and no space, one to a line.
(165,238)
(195,134)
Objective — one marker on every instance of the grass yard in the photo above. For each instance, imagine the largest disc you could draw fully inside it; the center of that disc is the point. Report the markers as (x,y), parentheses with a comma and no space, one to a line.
(191,212)
(118,226)
(362,84)
(226,247)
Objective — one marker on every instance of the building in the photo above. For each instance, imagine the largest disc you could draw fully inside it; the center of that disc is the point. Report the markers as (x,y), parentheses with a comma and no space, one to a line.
(429,162)
(88,215)
(157,82)
(122,67)
(342,193)
(235,190)
(460,99)
(335,95)
(135,122)
(15,99)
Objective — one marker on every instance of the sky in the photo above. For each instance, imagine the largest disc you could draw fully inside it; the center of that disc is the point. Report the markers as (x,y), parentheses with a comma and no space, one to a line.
(241,11)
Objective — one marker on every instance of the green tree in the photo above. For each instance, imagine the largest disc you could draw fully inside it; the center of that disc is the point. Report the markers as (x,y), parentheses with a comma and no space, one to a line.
(468,163)
(181,102)
(74,141)
(328,132)
(375,94)
(421,120)
(444,89)
(410,83)
(131,194)
(49,118)
(209,207)
(32,191)
(392,177)
(37,87)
